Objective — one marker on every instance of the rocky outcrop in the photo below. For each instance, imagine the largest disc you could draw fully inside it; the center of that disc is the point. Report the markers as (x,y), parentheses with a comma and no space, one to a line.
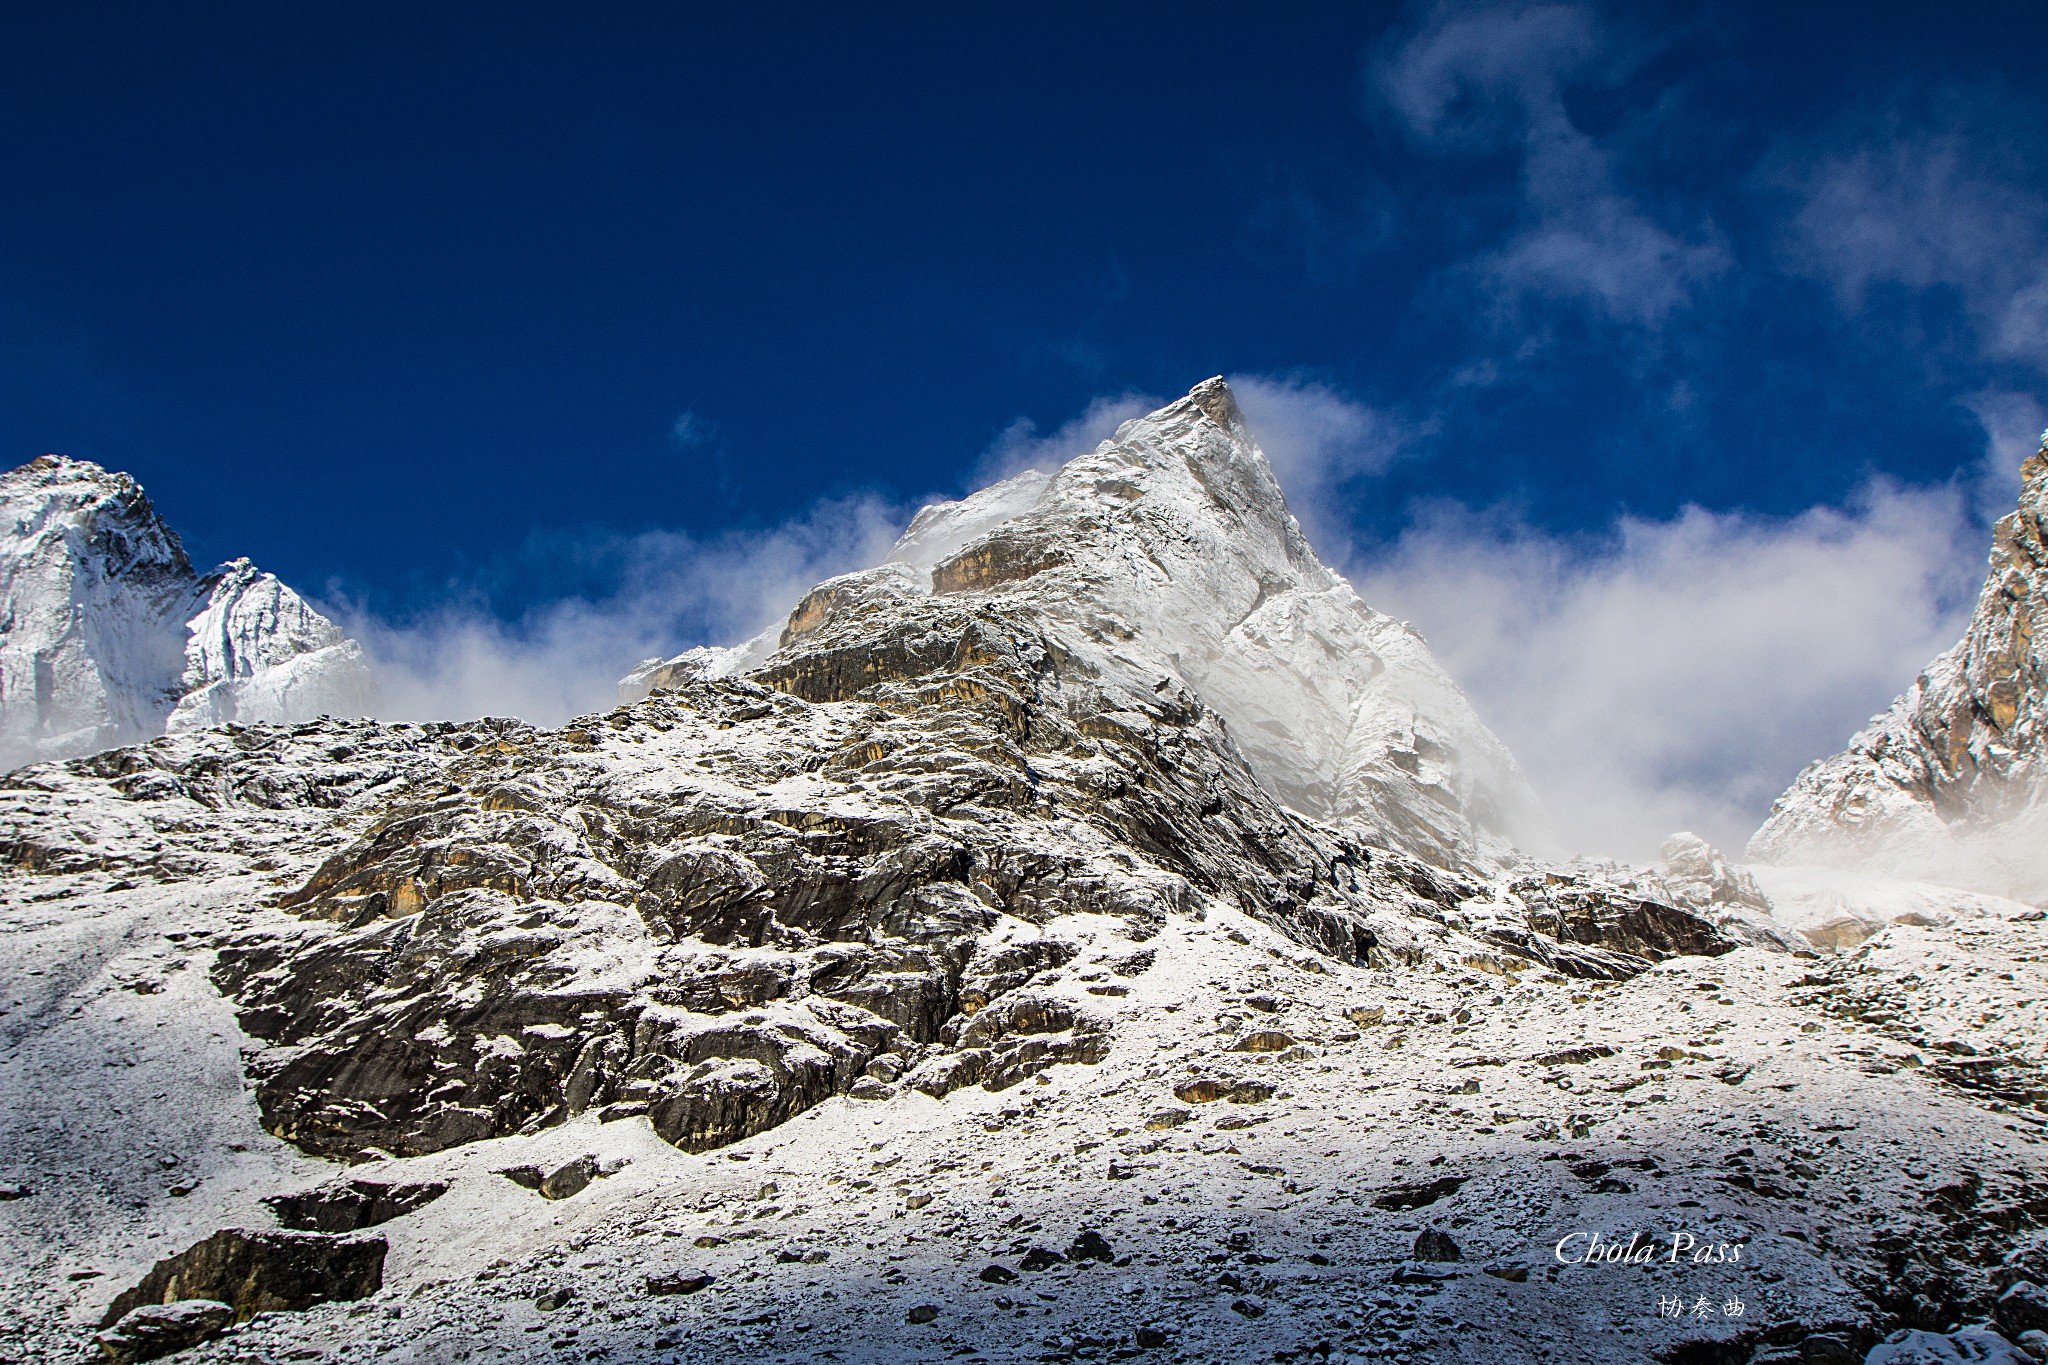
(352,1205)
(108,635)
(260,1272)
(1948,785)
(1693,873)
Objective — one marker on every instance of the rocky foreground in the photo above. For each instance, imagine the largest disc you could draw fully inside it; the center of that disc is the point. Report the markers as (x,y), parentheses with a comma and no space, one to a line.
(1274,1154)
(1000,961)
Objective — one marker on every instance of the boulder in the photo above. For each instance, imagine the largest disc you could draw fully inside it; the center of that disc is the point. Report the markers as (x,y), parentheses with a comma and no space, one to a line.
(261,1272)
(1434,1244)
(353,1205)
(679,1282)
(1977,1344)
(1041,1258)
(1090,1246)
(1828,1348)
(571,1177)
(1419,1194)
(157,1330)
(2023,1308)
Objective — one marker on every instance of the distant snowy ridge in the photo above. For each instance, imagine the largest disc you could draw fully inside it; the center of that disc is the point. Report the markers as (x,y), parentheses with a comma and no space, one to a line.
(1949,785)
(1167,558)
(108,635)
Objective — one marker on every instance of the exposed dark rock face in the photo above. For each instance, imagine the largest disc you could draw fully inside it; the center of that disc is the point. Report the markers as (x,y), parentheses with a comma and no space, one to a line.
(352,1205)
(261,1272)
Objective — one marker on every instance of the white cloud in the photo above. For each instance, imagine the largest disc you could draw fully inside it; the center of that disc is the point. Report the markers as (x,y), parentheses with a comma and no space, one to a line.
(2012,425)
(563,658)
(1318,440)
(1478,78)
(1677,674)
(1476,74)
(1926,209)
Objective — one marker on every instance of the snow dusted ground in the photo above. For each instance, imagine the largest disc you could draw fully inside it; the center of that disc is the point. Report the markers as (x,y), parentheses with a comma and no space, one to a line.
(1736,1105)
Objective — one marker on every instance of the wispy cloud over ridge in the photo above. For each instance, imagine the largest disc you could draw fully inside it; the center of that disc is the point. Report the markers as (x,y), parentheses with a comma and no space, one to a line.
(1664,673)
(1677,673)
(667,590)
(1021,445)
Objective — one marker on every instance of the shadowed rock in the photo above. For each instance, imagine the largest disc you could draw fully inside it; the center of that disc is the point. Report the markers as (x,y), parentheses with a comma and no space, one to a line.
(261,1272)
(157,1330)
(353,1205)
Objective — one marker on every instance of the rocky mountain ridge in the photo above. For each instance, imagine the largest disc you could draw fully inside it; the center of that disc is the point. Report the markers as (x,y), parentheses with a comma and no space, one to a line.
(109,636)
(1950,784)
(742,894)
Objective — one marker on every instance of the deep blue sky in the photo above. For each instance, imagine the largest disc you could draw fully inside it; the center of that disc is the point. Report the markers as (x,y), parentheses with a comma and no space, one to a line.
(373,293)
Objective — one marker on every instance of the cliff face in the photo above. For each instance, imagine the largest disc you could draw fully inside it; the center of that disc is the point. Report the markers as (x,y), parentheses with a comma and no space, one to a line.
(1947,784)
(108,635)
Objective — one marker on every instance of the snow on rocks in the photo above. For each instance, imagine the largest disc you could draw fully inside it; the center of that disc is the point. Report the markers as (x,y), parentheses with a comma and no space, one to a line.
(261,1271)
(111,635)
(256,652)
(1947,786)
(157,1330)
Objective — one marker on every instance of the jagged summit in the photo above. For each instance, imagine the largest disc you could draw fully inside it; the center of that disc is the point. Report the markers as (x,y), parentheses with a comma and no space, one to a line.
(1948,785)
(1166,559)
(108,635)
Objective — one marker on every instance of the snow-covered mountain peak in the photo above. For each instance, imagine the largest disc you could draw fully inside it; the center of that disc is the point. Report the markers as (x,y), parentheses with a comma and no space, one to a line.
(55,498)
(108,635)
(1951,783)
(1166,557)
(1168,551)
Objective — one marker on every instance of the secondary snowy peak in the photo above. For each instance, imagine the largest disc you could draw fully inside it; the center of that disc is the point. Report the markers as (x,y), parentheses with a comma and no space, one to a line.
(108,635)
(1167,560)
(1948,785)
(257,652)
